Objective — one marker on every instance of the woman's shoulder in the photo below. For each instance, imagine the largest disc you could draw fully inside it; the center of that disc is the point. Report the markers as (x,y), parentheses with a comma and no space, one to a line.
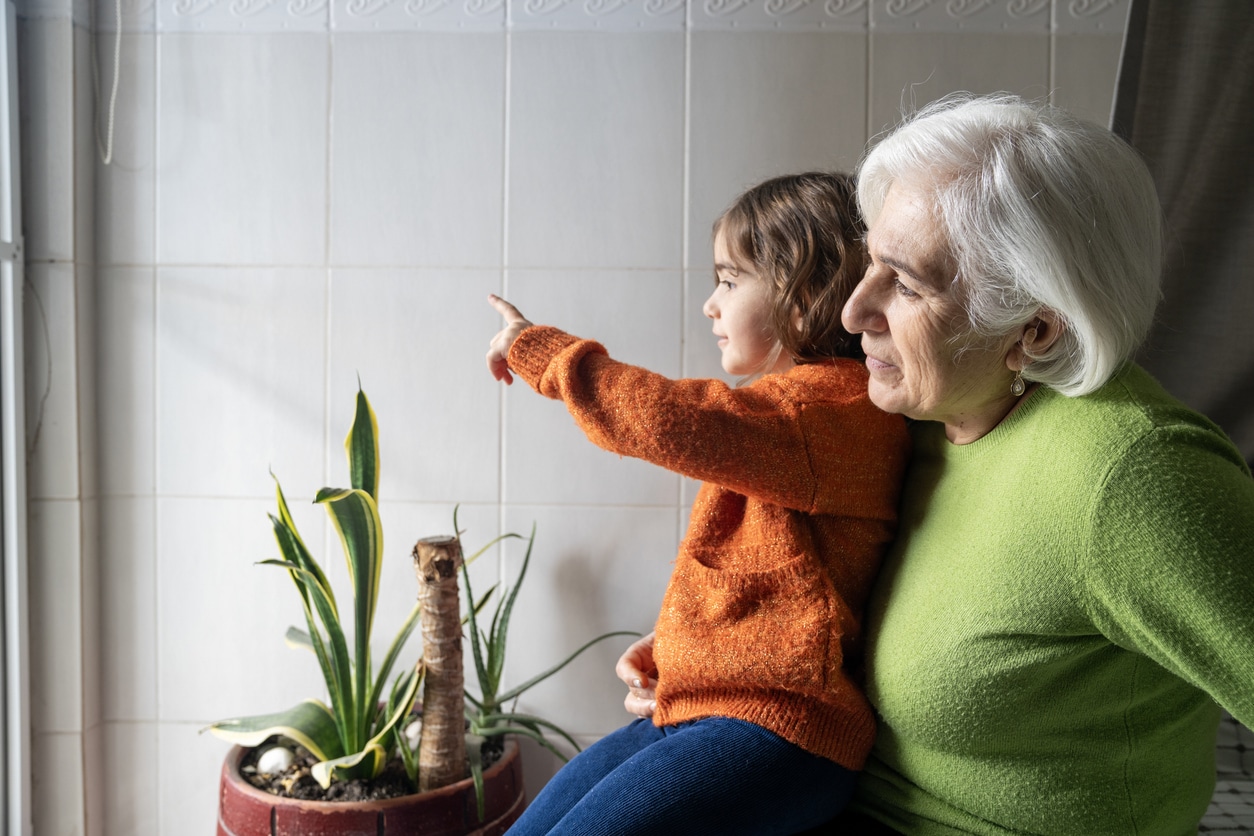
(1138,453)
(1133,415)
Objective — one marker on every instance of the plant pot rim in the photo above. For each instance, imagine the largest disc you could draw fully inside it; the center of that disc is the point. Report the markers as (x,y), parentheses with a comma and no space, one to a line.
(231,772)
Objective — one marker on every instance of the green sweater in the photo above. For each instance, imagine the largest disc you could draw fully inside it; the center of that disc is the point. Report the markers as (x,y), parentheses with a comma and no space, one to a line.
(1067,600)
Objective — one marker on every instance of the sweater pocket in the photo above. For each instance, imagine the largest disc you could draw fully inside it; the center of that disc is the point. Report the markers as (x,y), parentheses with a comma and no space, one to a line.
(740,627)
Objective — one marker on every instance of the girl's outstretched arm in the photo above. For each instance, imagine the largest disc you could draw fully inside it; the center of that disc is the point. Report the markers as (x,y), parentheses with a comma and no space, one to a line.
(809,440)
(498,349)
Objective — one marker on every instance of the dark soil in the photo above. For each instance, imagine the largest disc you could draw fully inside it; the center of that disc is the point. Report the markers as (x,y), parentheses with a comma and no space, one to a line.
(297,782)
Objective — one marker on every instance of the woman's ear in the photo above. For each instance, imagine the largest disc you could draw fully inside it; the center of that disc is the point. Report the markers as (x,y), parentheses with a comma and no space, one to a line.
(1035,338)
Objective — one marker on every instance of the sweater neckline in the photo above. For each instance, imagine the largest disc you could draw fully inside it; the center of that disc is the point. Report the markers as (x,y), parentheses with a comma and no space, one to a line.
(996,437)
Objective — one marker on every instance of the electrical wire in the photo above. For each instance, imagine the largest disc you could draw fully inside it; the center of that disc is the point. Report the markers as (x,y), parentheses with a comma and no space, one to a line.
(105,146)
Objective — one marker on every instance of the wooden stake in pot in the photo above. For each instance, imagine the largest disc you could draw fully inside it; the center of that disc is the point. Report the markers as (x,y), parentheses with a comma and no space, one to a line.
(442,753)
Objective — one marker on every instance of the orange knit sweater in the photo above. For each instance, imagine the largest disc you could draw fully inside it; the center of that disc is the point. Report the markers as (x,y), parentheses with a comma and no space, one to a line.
(762,618)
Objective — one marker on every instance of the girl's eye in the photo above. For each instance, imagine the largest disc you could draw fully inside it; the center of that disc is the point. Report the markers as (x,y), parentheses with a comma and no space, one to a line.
(728,284)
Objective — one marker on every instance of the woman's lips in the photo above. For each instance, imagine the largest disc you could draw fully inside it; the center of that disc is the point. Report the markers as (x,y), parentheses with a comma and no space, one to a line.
(874,364)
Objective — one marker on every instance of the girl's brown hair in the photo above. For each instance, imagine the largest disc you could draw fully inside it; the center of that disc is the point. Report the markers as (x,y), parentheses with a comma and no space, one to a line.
(803,234)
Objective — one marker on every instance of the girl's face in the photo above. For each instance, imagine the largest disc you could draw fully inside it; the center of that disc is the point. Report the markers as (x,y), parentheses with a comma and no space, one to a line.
(740,307)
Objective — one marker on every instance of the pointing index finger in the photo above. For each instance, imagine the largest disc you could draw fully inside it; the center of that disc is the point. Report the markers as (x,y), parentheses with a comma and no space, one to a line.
(505,309)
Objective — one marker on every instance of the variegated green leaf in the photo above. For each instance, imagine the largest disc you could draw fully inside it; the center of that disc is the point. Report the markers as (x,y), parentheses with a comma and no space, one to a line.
(338,669)
(362,445)
(364,764)
(309,723)
(356,518)
(402,636)
(291,544)
(299,639)
(402,706)
(369,762)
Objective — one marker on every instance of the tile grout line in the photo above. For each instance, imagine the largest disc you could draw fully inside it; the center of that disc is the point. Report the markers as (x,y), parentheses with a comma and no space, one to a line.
(326,254)
(685,231)
(158,55)
(506,105)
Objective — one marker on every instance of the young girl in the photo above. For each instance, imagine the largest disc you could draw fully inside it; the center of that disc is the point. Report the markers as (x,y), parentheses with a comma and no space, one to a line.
(760,723)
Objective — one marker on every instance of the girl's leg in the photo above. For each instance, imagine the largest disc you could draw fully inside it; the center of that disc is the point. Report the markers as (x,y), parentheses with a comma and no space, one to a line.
(715,776)
(584,771)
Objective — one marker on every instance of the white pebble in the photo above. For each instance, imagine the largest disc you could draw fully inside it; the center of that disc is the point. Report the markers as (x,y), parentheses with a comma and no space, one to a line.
(275,760)
(413,733)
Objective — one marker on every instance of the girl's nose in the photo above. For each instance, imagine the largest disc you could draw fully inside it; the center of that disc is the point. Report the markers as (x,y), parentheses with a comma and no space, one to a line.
(709,308)
(862,311)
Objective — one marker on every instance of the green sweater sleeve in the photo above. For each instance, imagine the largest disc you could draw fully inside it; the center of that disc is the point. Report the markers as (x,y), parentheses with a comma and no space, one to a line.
(1170,571)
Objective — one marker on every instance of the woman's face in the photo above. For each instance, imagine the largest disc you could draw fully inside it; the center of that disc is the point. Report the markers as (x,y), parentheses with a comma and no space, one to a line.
(923,360)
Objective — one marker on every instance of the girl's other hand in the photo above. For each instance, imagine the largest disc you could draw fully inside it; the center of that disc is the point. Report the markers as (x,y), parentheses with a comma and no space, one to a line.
(498,351)
(635,668)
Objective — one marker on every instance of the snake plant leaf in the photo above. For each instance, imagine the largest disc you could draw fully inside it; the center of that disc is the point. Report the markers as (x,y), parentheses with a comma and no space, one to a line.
(399,737)
(292,546)
(400,708)
(362,445)
(402,636)
(364,764)
(356,518)
(299,639)
(295,553)
(337,671)
(369,762)
(310,723)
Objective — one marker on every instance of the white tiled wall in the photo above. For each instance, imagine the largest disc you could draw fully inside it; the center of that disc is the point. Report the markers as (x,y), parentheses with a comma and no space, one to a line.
(311,193)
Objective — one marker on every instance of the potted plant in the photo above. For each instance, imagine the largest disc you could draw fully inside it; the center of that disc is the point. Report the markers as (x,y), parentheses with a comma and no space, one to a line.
(359,747)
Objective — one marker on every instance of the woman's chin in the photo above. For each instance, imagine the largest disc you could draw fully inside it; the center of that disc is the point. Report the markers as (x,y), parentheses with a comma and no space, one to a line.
(886,396)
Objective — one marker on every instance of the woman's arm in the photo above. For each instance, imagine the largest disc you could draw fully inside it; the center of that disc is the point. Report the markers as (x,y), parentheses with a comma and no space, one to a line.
(1171,571)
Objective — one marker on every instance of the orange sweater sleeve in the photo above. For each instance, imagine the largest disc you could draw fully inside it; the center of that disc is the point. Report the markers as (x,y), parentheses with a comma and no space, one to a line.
(814,449)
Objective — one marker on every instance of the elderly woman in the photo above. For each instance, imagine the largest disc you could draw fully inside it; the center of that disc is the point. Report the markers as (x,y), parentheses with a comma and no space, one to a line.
(1072,587)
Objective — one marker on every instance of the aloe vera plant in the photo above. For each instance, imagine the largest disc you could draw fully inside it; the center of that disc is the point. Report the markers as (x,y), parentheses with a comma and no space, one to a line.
(488,717)
(353,736)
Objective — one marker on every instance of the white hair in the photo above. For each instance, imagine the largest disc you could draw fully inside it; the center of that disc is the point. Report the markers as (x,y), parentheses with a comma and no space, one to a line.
(1040,210)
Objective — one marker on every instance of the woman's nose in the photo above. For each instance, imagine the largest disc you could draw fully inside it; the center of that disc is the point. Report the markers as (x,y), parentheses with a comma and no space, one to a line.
(862,310)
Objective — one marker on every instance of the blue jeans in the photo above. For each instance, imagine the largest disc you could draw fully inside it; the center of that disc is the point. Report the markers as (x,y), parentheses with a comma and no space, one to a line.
(717,776)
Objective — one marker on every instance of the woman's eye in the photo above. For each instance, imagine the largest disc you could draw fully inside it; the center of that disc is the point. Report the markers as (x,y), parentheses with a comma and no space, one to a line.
(902,289)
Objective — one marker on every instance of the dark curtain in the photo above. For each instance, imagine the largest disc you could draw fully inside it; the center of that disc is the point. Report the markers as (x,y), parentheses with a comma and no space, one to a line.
(1185,100)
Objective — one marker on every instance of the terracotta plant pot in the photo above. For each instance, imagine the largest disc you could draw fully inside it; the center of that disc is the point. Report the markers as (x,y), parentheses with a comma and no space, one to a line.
(244,810)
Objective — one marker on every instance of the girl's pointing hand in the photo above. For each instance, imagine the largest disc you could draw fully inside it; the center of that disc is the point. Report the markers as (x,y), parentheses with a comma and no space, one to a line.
(498,350)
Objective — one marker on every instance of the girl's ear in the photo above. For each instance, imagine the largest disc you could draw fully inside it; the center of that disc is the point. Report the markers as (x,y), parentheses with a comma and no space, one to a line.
(1035,339)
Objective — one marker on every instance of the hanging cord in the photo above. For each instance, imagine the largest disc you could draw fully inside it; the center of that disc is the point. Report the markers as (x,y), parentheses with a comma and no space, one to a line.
(106,146)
